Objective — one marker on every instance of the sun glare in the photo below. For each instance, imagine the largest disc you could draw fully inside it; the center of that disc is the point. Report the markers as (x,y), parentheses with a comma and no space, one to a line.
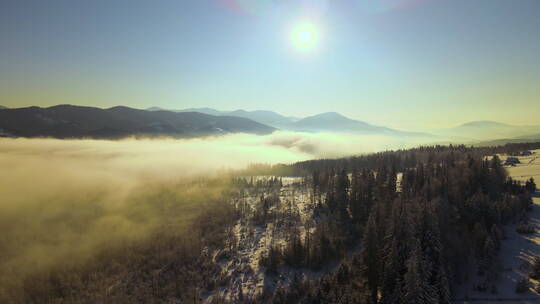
(305,36)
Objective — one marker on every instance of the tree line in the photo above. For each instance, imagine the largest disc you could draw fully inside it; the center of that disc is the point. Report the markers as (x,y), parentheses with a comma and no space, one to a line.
(416,221)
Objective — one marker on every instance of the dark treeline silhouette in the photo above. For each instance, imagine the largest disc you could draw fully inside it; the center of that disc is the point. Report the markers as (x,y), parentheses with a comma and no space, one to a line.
(402,159)
(398,159)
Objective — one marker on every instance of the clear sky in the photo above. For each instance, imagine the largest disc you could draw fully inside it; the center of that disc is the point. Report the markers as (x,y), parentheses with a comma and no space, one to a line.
(400,63)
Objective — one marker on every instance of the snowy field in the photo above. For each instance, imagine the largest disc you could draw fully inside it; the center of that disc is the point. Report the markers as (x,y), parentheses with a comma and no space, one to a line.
(529,167)
(517,250)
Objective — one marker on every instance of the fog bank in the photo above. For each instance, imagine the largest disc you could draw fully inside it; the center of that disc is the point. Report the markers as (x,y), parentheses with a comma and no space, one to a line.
(63,201)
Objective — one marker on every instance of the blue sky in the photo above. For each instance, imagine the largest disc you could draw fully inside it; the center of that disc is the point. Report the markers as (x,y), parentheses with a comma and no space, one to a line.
(398,63)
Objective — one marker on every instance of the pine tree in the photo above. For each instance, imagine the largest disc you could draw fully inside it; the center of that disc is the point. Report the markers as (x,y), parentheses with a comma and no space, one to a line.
(396,247)
(418,287)
(414,282)
(315,181)
(392,182)
(342,193)
(369,267)
(355,198)
(443,287)
(530,185)
(497,177)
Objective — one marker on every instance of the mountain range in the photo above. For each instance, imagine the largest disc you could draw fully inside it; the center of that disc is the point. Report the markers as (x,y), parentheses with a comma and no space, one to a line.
(68,121)
(470,132)
(324,122)
(265,117)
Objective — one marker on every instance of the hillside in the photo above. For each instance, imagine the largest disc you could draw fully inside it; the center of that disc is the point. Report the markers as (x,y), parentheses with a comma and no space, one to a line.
(325,122)
(491,130)
(335,122)
(269,118)
(266,117)
(67,121)
(504,141)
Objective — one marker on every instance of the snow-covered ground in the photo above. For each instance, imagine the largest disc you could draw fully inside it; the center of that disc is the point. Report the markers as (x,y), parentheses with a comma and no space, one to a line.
(253,241)
(529,167)
(517,250)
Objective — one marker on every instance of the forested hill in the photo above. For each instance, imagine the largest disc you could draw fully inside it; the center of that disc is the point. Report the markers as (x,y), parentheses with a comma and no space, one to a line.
(68,121)
(424,219)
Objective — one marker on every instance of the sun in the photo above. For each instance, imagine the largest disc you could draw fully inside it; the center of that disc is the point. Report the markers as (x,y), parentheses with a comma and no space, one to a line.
(305,36)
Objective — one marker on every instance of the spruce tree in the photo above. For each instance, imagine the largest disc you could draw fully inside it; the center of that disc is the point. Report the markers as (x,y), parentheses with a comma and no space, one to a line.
(369,267)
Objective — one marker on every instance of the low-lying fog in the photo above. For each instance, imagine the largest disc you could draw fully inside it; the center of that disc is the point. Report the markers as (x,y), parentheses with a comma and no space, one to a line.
(61,200)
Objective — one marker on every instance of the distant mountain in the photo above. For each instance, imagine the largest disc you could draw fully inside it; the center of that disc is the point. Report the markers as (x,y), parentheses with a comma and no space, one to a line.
(484,124)
(2,107)
(208,111)
(325,122)
(485,129)
(500,142)
(535,137)
(264,117)
(67,121)
(335,122)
